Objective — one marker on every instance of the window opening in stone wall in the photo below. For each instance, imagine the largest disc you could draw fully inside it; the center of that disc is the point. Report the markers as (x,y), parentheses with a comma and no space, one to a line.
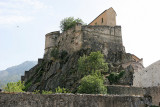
(102,20)
(96,23)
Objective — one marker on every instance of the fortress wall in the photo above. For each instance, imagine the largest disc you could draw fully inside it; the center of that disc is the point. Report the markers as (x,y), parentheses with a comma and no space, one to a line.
(51,39)
(50,42)
(71,100)
(70,40)
(95,37)
(29,74)
(125,90)
(102,38)
(154,92)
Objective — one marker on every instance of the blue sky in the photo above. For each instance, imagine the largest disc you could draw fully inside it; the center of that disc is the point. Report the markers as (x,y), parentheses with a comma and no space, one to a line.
(24,23)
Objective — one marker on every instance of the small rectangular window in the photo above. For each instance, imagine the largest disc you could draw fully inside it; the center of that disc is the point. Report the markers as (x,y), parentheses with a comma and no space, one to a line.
(96,23)
(102,20)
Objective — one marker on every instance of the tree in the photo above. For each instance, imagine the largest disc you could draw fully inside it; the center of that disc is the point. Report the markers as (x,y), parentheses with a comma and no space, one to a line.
(92,66)
(69,22)
(92,63)
(92,84)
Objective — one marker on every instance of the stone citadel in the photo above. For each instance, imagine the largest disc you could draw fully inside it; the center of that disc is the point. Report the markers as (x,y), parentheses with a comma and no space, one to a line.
(102,34)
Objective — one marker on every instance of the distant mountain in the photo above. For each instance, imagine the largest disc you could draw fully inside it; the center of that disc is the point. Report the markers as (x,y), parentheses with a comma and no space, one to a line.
(13,74)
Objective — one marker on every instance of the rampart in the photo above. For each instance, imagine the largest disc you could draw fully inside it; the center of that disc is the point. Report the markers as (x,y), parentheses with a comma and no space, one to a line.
(98,37)
(71,100)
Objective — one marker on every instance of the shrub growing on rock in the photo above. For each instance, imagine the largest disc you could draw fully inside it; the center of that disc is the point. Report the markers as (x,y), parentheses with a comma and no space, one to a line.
(115,77)
(61,90)
(69,22)
(92,84)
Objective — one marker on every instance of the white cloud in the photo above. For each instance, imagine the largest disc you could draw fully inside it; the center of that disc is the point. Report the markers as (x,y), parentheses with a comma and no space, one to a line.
(35,3)
(18,11)
(14,19)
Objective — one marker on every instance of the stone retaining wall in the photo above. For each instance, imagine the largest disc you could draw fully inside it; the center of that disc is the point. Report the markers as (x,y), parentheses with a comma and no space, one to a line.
(125,90)
(153,92)
(71,100)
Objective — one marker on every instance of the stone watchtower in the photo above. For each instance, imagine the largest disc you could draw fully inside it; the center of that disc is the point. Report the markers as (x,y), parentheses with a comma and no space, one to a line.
(50,42)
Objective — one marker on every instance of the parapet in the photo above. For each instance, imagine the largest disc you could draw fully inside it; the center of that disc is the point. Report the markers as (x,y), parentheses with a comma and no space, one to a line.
(104,29)
(53,33)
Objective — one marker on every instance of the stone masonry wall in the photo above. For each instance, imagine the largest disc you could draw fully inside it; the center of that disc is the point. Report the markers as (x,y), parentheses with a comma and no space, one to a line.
(103,38)
(125,90)
(70,41)
(71,100)
(153,92)
(95,37)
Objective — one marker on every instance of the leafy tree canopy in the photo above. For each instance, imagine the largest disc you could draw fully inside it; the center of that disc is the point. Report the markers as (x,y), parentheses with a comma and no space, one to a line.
(92,63)
(69,22)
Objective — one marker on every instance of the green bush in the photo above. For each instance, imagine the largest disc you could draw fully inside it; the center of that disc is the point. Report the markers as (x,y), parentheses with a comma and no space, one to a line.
(94,62)
(14,87)
(92,84)
(69,22)
(114,77)
(61,90)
